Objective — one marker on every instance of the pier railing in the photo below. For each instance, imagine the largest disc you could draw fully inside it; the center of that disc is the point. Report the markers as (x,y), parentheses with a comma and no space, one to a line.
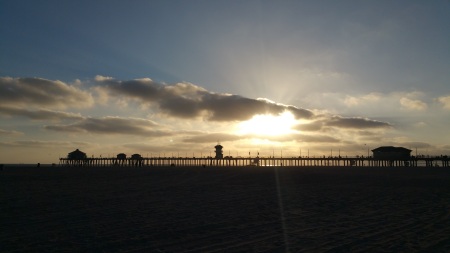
(442,161)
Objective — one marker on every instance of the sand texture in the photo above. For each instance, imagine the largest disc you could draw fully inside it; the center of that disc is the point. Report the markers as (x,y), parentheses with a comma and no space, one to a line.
(248,209)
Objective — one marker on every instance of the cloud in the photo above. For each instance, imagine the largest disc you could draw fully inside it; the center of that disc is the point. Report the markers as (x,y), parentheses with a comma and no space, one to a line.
(447,147)
(373,103)
(179,100)
(415,144)
(186,100)
(41,114)
(211,137)
(325,122)
(356,101)
(114,125)
(309,127)
(43,144)
(100,78)
(225,137)
(19,92)
(420,124)
(236,108)
(445,101)
(4,132)
(368,134)
(312,138)
(358,123)
(100,95)
(413,104)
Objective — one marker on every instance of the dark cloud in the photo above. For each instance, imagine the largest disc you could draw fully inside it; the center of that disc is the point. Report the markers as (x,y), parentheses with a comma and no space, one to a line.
(317,138)
(413,145)
(222,107)
(300,113)
(180,107)
(41,92)
(232,107)
(41,114)
(323,122)
(186,100)
(356,123)
(43,144)
(114,125)
(182,149)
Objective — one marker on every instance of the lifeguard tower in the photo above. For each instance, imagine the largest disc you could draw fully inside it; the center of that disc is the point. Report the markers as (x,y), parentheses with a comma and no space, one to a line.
(219,152)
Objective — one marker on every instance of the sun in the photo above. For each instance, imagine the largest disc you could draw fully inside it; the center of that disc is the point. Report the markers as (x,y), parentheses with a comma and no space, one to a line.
(268,125)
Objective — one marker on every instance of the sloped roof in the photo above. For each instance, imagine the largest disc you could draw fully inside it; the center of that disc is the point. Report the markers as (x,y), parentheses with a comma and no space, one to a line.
(77,152)
(391,149)
(136,156)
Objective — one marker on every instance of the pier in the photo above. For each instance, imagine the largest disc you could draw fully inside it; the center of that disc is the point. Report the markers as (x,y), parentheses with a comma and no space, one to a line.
(439,161)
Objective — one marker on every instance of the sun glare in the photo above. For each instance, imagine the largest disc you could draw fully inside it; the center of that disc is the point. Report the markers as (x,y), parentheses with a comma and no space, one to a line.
(268,125)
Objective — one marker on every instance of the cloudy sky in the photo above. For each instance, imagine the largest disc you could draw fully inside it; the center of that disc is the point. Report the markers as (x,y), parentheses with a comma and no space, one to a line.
(176,77)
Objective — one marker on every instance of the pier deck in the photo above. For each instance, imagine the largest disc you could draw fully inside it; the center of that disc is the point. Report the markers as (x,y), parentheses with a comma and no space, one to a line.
(442,161)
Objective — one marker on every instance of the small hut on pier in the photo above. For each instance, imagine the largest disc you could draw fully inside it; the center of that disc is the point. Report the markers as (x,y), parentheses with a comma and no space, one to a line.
(121,156)
(137,160)
(121,159)
(391,153)
(76,158)
(136,157)
(76,155)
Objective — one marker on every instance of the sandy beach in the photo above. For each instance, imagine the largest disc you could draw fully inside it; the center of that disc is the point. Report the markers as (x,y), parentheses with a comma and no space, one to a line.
(238,209)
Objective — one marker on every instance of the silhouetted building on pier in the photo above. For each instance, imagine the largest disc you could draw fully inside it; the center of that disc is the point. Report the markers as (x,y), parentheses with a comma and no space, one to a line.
(390,152)
(137,160)
(76,155)
(219,152)
(121,156)
(136,157)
